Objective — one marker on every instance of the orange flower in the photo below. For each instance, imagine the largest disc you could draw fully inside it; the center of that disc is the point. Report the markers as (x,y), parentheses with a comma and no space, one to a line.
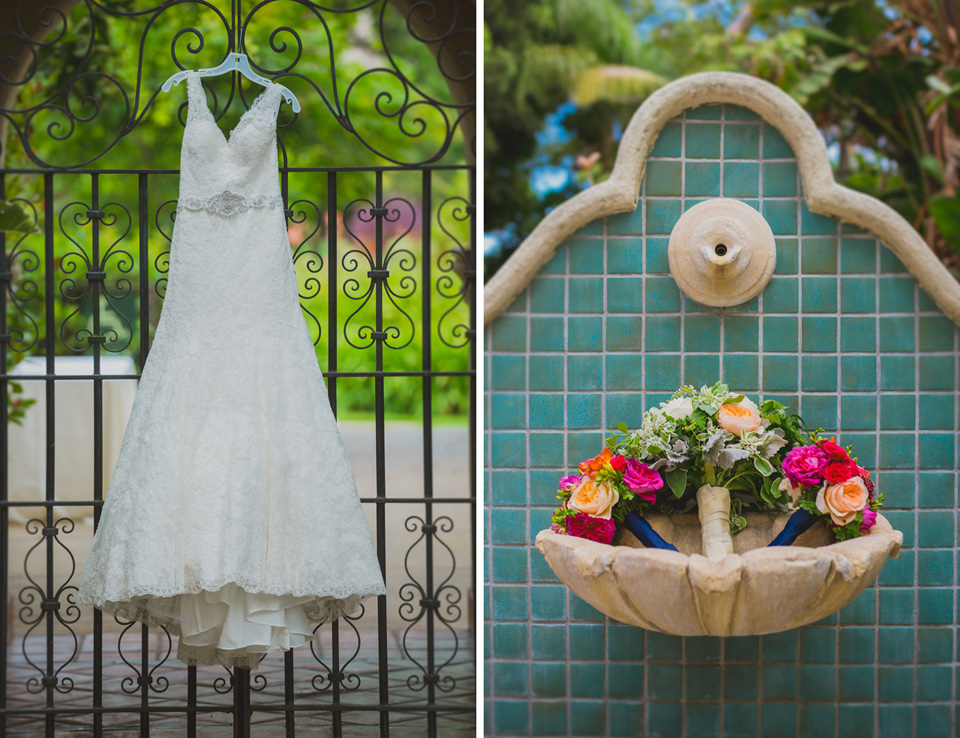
(592,466)
(736,419)
(594,498)
(843,501)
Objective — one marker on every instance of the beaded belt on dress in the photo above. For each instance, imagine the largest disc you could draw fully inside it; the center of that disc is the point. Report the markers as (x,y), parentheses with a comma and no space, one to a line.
(228,203)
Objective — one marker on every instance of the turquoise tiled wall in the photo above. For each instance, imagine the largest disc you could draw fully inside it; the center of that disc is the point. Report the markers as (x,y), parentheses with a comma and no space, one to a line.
(842,333)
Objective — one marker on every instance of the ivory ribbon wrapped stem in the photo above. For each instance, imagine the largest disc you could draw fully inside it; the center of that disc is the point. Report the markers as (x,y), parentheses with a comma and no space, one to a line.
(714,508)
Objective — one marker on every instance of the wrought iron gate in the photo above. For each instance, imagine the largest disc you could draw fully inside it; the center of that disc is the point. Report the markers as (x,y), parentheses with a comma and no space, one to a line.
(394,273)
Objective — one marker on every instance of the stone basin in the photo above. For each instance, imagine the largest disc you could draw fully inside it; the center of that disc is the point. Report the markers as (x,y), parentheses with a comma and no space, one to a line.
(755,590)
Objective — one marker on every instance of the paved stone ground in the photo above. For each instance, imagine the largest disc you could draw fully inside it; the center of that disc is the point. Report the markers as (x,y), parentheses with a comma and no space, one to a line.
(406,562)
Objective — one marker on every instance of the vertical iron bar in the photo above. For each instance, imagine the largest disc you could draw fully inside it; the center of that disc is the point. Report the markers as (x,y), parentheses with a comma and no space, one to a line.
(143,217)
(333,290)
(50,326)
(288,694)
(241,703)
(381,481)
(335,677)
(191,702)
(98,485)
(333,293)
(470,287)
(4,471)
(144,686)
(288,690)
(426,210)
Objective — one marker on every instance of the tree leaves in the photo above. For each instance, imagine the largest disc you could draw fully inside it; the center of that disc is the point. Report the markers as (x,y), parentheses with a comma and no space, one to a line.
(14,218)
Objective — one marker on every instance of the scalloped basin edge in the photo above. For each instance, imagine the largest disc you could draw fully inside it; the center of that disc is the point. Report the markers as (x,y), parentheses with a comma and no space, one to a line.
(753,591)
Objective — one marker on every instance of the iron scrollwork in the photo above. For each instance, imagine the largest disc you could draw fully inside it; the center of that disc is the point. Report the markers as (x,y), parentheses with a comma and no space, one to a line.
(90,96)
(419,602)
(37,606)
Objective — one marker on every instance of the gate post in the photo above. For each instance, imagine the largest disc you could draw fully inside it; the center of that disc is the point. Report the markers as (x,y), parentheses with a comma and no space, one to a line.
(241,703)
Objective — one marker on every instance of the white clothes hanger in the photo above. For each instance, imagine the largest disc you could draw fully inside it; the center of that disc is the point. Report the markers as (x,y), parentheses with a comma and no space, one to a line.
(234,62)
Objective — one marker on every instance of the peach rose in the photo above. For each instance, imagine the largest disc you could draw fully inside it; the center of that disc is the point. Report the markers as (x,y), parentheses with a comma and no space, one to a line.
(843,501)
(737,418)
(593,498)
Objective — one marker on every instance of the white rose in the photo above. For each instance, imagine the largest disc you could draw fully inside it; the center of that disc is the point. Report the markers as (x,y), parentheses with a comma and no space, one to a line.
(747,403)
(680,408)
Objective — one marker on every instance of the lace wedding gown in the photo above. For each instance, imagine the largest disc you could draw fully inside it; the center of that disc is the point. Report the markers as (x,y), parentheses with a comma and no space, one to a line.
(232,518)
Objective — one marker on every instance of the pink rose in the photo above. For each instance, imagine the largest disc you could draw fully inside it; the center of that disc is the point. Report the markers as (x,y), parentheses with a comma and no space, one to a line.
(568,483)
(869,520)
(842,501)
(594,498)
(642,480)
(591,528)
(804,465)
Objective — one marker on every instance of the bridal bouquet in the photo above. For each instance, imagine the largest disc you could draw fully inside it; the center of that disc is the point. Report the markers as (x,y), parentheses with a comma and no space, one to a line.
(721,452)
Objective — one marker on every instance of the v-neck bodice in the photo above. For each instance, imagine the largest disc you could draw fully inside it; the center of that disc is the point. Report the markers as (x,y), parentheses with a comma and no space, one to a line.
(243,165)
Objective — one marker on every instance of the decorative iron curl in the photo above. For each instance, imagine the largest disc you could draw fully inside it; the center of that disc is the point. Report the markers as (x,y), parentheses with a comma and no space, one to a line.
(407,102)
(108,216)
(457,274)
(430,604)
(49,606)
(350,682)
(310,259)
(21,290)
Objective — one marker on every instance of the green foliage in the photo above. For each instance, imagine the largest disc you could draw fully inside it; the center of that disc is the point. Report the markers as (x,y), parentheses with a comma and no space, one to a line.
(881,80)
(317,139)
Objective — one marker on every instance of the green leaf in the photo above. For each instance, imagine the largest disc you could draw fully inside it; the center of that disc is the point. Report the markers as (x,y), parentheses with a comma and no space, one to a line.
(623,428)
(734,400)
(677,481)
(945,210)
(15,219)
(763,466)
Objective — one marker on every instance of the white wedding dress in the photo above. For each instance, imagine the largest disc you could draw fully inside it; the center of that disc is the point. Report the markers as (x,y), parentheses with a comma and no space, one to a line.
(232,517)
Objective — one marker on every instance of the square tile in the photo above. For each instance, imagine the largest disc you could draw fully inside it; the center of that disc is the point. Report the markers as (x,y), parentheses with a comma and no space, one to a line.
(625,333)
(669,141)
(782,216)
(584,373)
(624,372)
(547,334)
(781,295)
(857,334)
(584,333)
(779,334)
(626,224)
(662,215)
(585,256)
(819,294)
(780,179)
(701,179)
(663,295)
(819,334)
(818,255)
(741,142)
(624,256)
(586,295)
(548,295)
(858,256)
(625,295)
(741,179)
(702,141)
(664,178)
(657,260)
(662,333)
(509,334)
(701,333)
(741,333)
(774,145)
(583,411)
